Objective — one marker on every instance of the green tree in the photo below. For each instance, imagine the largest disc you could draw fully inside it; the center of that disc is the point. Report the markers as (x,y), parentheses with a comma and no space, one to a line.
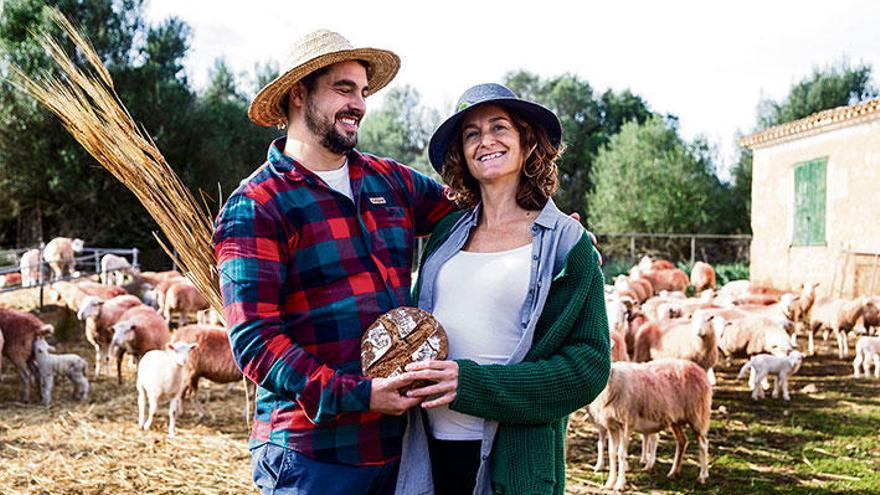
(588,122)
(829,87)
(400,129)
(649,180)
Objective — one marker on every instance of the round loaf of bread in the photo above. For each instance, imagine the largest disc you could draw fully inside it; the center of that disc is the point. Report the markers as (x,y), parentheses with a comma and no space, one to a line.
(399,337)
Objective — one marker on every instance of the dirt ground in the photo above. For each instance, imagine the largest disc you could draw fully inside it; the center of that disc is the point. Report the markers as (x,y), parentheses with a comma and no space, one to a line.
(826,440)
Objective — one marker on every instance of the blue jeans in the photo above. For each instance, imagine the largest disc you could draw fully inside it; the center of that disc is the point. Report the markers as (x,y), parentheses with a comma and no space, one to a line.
(281,471)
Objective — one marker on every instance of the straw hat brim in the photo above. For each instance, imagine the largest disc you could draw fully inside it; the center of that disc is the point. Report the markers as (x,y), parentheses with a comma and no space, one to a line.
(266,108)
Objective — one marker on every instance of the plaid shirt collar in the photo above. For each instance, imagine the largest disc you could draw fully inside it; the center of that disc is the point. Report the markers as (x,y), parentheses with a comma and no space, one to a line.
(286,166)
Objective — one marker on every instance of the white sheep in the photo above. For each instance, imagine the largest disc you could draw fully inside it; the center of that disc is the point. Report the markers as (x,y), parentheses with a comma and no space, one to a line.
(48,365)
(30,268)
(162,373)
(763,365)
(113,269)
(867,352)
(59,253)
(648,398)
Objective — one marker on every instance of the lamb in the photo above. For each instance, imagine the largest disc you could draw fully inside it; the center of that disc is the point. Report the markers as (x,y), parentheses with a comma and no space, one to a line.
(183,298)
(639,288)
(19,331)
(102,291)
(48,365)
(838,315)
(702,277)
(648,398)
(29,266)
(59,254)
(10,279)
(867,352)
(139,330)
(113,269)
(751,334)
(161,373)
(763,365)
(693,340)
(211,358)
(99,317)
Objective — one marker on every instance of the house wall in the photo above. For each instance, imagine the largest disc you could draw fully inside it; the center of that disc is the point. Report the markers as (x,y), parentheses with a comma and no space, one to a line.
(852,219)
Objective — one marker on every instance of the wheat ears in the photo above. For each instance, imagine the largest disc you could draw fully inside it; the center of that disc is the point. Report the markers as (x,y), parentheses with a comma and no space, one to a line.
(91,111)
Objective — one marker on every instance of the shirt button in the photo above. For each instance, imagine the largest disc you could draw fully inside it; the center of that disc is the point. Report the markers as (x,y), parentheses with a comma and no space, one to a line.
(535,257)
(523,325)
(484,457)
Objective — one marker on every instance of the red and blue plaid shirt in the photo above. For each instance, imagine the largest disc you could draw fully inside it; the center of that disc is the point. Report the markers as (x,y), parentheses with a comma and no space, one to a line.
(303,271)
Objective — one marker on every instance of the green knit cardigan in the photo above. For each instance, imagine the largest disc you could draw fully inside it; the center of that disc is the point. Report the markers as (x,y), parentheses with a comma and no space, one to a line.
(565,369)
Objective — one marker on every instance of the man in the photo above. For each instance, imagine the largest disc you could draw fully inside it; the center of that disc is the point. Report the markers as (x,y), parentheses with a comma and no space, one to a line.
(311,248)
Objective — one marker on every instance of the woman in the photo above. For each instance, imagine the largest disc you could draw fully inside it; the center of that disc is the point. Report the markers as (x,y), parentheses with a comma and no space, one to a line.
(517,286)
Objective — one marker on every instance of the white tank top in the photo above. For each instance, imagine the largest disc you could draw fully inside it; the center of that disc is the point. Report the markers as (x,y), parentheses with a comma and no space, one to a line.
(479,299)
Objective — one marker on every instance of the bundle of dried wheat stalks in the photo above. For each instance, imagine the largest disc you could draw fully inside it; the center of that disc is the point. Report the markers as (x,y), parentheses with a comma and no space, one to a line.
(88,106)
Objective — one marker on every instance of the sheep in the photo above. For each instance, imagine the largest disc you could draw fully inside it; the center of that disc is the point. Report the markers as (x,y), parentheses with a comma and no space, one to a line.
(154,278)
(210,316)
(800,309)
(670,279)
(99,317)
(59,254)
(48,365)
(183,298)
(161,373)
(647,264)
(211,359)
(641,289)
(162,287)
(648,398)
(29,266)
(19,331)
(702,277)
(871,316)
(10,279)
(762,365)
(113,269)
(102,291)
(693,340)
(139,330)
(747,335)
(838,315)
(867,352)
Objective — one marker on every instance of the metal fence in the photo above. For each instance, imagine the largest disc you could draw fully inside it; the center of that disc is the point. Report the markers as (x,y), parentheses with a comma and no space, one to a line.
(86,264)
(681,248)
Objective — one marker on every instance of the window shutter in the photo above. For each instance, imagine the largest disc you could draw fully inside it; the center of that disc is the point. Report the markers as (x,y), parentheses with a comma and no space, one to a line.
(809,203)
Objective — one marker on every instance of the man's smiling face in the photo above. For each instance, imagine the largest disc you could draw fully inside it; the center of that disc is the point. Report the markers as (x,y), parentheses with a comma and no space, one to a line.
(335,106)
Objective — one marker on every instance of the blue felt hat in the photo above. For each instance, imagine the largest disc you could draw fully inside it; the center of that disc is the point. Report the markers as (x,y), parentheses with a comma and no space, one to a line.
(500,95)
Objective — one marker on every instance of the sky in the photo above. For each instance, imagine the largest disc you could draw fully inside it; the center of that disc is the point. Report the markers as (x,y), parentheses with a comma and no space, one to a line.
(709,63)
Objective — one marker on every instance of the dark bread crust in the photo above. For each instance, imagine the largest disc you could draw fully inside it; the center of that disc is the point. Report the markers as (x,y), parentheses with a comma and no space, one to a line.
(401,336)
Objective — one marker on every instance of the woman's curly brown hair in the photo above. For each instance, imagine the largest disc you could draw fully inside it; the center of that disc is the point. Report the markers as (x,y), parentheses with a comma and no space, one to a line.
(539,178)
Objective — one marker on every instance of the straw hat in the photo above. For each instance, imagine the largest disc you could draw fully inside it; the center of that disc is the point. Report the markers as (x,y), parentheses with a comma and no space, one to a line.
(482,94)
(314,51)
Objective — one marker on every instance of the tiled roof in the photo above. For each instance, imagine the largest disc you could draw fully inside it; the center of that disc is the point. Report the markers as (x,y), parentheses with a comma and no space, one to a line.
(818,122)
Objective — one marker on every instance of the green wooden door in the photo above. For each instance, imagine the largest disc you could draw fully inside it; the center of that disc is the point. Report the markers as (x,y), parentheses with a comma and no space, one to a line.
(809,203)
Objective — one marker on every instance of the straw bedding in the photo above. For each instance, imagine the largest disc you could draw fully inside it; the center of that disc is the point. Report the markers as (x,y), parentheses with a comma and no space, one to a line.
(96,447)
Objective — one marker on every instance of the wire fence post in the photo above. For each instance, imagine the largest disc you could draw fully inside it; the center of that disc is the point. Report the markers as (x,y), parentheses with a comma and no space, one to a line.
(134,257)
(632,249)
(693,249)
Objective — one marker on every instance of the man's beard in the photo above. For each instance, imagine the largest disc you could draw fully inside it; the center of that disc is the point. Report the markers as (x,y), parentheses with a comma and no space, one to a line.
(325,128)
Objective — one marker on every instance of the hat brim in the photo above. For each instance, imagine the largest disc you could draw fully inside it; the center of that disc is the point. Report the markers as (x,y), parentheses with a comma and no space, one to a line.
(266,109)
(531,112)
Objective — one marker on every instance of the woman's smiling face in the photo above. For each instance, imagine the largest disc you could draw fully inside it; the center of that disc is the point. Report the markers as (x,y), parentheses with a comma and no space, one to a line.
(491,144)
